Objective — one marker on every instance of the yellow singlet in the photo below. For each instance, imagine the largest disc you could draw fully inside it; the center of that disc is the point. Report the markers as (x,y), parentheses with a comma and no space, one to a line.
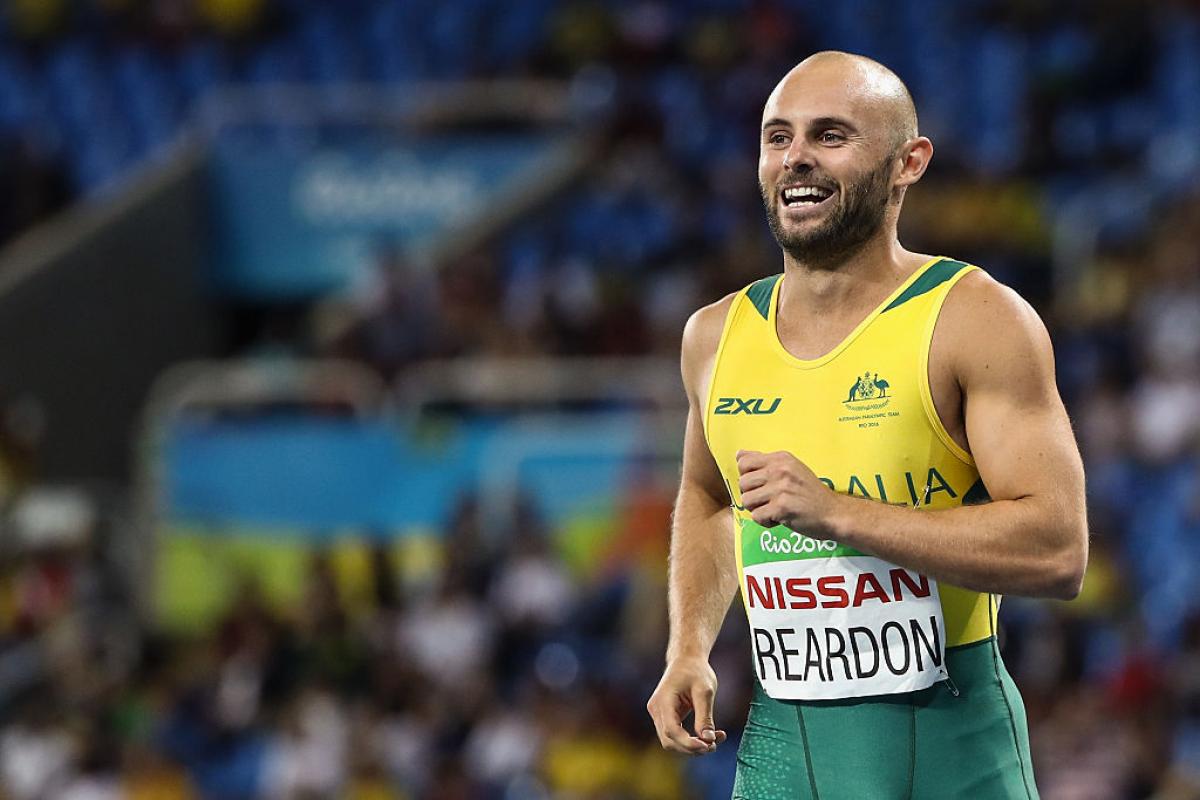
(861,417)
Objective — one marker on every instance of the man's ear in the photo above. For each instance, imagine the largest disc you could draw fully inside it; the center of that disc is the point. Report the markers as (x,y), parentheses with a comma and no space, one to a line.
(915,155)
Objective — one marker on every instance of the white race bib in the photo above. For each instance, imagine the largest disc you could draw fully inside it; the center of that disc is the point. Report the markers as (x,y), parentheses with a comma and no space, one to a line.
(827,622)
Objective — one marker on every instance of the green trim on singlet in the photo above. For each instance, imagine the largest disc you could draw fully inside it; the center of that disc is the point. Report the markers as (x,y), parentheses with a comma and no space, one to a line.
(760,294)
(935,275)
(977,495)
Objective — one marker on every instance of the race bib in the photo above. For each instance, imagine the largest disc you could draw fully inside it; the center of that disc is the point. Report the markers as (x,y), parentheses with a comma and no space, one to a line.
(829,622)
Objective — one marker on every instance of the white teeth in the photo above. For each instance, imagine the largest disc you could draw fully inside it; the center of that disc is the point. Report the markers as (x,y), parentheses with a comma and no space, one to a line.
(805,192)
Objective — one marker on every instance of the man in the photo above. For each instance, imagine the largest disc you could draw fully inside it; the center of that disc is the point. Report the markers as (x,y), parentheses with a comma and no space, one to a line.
(871,535)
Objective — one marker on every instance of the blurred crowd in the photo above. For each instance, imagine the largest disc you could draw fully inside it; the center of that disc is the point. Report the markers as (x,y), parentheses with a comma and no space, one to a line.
(499,673)
(505,672)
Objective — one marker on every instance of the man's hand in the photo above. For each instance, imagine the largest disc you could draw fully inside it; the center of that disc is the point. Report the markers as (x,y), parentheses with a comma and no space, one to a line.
(688,684)
(778,489)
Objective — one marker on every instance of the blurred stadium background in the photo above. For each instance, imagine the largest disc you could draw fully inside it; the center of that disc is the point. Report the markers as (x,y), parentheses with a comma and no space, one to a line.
(339,408)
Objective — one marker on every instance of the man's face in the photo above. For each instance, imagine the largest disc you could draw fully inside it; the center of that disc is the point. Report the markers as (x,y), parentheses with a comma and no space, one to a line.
(825,171)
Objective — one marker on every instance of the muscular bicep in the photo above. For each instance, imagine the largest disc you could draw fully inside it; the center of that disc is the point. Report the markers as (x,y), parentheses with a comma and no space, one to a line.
(702,577)
(701,475)
(700,340)
(1017,427)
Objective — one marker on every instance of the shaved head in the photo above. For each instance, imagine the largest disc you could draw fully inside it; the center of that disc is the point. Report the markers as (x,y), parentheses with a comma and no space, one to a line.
(863,81)
(839,148)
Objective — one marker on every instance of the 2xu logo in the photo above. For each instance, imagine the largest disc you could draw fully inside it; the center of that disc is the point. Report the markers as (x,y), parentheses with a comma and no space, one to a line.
(748,405)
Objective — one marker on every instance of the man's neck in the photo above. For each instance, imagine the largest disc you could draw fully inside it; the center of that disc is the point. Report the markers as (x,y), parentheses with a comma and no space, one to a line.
(863,278)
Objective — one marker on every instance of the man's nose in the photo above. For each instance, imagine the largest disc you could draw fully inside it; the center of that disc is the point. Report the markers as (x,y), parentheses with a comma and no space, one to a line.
(799,156)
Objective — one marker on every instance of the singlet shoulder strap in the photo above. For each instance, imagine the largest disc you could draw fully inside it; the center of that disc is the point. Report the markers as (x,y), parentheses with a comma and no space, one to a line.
(938,288)
(759,294)
(934,276)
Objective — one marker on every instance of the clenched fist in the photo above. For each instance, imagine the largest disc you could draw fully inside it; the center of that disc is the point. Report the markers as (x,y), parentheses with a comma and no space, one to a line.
(778,489)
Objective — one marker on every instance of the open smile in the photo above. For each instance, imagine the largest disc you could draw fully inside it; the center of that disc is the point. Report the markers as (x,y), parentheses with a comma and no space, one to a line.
(805,197)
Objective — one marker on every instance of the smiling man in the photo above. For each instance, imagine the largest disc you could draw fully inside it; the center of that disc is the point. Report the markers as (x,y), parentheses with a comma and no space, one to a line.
(887,428)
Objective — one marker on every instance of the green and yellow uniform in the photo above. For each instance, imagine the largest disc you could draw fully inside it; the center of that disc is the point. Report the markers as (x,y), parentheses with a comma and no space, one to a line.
(872,681)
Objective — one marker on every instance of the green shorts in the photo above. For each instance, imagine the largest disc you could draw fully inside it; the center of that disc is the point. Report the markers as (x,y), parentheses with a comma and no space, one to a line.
(921,745)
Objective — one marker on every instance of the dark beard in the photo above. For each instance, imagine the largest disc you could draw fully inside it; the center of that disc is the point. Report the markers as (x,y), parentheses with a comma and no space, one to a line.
(851,225)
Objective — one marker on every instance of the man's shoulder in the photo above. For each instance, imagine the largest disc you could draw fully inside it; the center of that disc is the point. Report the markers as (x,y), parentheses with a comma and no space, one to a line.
(991,330)
(701,337)
(978,301)
(702,333)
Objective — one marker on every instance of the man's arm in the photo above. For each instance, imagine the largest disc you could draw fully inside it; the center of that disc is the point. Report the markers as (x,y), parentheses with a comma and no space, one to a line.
(1032,538)
(703,573)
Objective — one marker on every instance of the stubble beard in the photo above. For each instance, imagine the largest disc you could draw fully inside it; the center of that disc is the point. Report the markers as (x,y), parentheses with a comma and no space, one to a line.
(856,219)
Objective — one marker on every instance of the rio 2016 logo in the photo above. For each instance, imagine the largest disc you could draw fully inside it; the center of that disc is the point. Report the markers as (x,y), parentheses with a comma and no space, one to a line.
(794,543)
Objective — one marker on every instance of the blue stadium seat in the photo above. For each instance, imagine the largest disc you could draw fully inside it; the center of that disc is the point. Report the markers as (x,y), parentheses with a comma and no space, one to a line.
(515,30)
(149,97)
(199,67)
(1000,89)
(19,94)
(680,102)
(329,51)
(279,61)
(81,105)
(453,37)
(852,25)
(936,78)
(395,51)
(1177,80)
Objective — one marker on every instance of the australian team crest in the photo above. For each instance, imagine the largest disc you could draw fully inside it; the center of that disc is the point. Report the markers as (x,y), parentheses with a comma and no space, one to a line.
(869,391)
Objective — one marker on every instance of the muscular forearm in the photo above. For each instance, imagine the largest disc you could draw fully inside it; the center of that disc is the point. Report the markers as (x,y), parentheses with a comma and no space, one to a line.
(703,575)
(1031,546)
(702,582)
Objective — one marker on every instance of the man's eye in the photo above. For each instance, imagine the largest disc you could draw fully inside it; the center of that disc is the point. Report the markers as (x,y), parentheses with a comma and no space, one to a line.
(830,136)
(778,138)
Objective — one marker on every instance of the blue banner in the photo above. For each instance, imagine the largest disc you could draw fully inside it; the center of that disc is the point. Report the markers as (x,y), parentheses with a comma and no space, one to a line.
(315,476)
(294,222)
